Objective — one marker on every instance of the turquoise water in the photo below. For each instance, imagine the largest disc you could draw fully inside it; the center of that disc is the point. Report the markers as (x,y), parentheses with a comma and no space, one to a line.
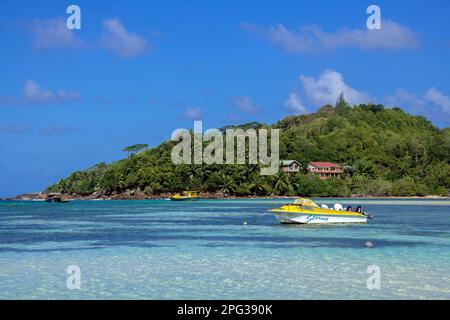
(159,249)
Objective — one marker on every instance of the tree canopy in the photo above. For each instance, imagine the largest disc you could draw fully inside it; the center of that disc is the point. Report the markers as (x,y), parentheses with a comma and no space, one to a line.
(135,148)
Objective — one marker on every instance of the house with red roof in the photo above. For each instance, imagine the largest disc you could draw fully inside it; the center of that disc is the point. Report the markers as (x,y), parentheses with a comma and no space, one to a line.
(325,170)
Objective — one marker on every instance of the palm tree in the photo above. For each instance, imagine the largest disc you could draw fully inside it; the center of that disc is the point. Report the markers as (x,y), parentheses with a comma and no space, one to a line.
(357,183)
(239,173)
(136,148)
(228,185)
(295,184)
(93,180)
(119,182)
(65,187)
(250,169)
(205,172)
(132,161)
(282,183)
(113,181)
(258,185)
(193,171)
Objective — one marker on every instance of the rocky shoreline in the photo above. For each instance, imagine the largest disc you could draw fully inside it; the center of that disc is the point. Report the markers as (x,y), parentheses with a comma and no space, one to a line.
(136,195)
(129,196)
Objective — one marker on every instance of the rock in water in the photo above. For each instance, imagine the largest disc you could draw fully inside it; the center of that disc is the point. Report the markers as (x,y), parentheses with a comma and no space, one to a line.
(368,244)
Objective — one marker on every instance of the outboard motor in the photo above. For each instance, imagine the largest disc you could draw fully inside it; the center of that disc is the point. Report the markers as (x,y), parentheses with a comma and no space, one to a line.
(368,215)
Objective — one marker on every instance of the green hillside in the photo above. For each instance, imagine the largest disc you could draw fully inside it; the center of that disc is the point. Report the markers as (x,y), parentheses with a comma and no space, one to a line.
(386,152)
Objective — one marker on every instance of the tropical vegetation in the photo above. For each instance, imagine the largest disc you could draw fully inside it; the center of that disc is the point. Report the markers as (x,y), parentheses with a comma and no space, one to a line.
(385,152)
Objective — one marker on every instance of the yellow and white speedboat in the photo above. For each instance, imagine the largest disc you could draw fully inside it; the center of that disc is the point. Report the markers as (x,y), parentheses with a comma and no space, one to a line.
(306,211)
(187,195)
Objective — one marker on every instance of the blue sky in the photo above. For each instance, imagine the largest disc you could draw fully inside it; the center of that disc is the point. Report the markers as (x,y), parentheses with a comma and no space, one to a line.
(138,70)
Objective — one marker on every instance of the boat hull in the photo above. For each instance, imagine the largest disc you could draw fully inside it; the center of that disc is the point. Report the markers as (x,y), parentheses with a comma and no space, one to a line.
(184,199)
(308,218)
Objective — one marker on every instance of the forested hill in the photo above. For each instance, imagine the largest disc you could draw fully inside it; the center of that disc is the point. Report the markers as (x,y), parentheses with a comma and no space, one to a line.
(386,152)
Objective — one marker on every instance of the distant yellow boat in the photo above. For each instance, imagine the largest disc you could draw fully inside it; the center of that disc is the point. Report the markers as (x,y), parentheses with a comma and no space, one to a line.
(186,195)
(306,211)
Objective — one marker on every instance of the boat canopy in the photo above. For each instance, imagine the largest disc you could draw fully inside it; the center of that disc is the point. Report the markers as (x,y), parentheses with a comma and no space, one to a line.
(306,202)
(191,193)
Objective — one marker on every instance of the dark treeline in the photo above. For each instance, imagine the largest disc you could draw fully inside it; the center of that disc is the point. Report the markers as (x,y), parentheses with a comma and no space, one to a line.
(385,152)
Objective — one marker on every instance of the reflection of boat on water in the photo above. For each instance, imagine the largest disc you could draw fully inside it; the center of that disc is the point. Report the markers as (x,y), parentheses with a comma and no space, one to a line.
(306,211)
(186,195)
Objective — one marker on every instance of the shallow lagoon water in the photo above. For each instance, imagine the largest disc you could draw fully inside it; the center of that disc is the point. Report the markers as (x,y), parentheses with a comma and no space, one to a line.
(157,249)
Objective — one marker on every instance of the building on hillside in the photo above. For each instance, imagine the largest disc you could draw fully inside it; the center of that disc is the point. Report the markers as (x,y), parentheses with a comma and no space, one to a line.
(326,169)
(290,166)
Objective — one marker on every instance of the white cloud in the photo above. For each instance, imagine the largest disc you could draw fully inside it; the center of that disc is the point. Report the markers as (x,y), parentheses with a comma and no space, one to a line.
(436,97)
(53,33)
(392,36)
(121,42)
(245,104)
(403,97)
(327,88)
(194,113)
(32,93)
(330,84)
(294,103)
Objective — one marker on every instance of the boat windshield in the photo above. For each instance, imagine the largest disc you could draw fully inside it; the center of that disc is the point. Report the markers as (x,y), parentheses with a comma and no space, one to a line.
(307,202)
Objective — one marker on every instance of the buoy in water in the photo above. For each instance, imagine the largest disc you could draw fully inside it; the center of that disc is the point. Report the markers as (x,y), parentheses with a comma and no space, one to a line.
(368,244)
